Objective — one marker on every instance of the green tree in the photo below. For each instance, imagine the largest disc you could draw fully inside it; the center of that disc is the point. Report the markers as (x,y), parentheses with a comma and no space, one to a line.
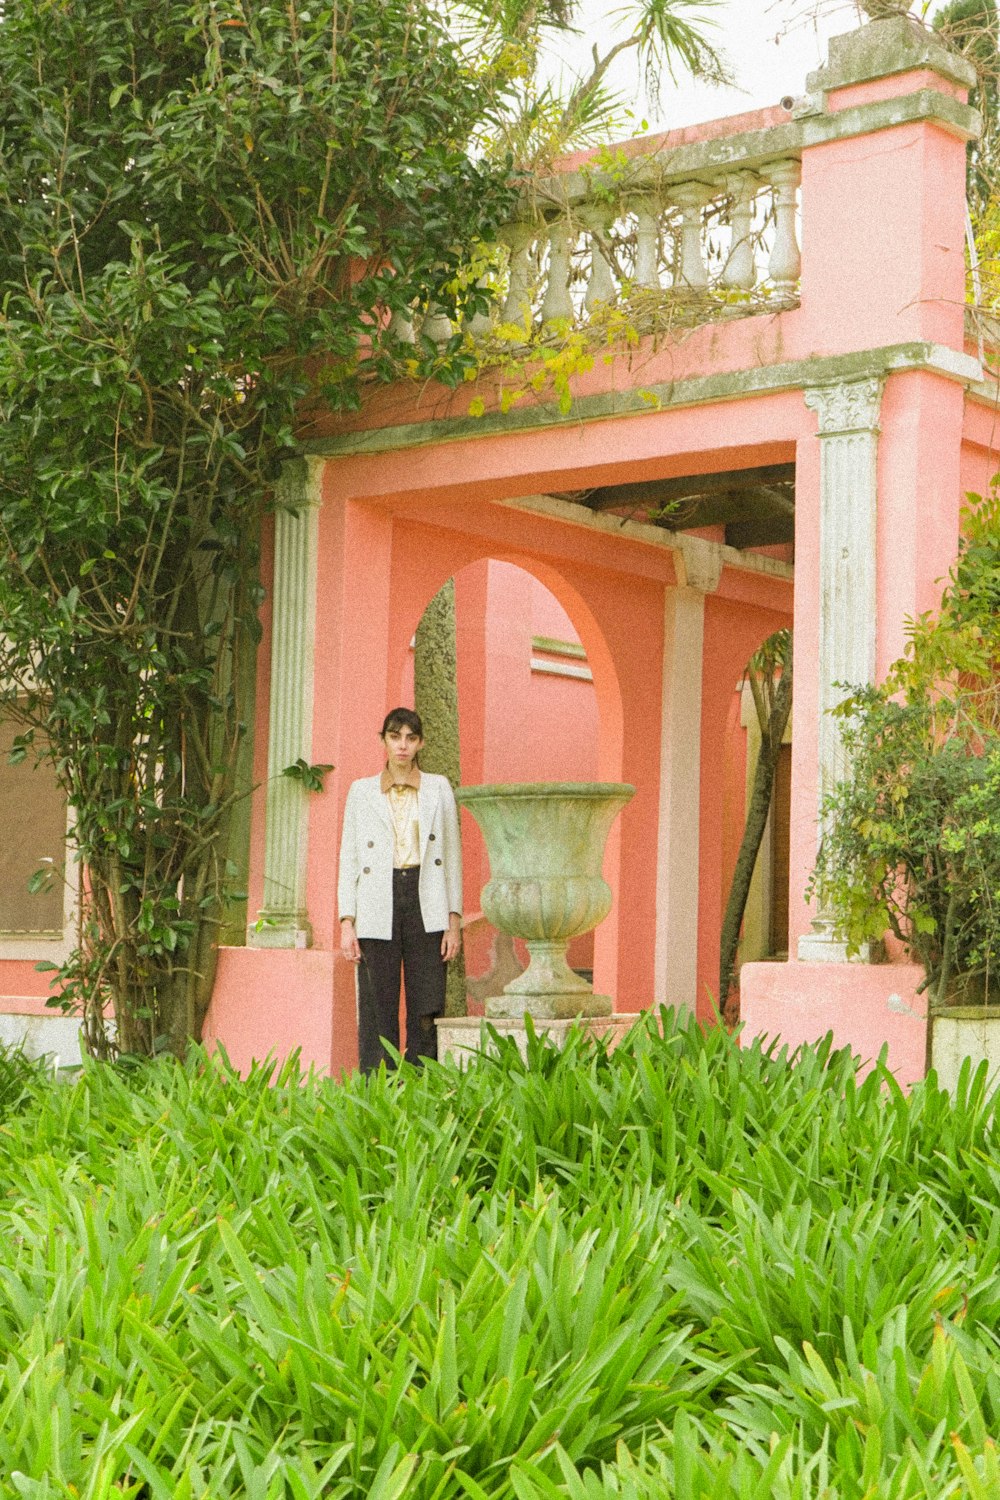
(435,696)
(547,117)
(972,28)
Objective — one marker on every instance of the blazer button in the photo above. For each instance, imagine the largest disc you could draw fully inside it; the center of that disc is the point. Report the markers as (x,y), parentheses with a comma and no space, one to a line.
(437,861)
(371,842)
(366,870)
(432,837)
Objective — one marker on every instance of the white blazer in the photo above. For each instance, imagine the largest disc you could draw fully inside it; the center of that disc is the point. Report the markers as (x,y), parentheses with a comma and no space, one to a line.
(364,886)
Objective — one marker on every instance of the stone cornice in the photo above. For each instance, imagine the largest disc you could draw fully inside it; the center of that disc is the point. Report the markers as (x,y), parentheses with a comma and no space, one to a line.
(699,390)
(883,48)
(751,150)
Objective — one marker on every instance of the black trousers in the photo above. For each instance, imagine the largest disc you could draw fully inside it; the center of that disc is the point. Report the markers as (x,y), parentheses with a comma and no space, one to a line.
(418,954)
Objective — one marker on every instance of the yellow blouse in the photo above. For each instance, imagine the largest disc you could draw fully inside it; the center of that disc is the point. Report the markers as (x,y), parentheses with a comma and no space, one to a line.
(403,810)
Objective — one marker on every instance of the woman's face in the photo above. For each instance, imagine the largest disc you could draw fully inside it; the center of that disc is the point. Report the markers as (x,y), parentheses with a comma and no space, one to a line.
(402,746)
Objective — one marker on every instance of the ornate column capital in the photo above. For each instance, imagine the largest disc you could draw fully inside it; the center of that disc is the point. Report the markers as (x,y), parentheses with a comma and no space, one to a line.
(848,406)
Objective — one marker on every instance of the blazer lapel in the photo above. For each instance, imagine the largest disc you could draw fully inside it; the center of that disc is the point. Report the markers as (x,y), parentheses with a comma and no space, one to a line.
(427,801)
(380,802)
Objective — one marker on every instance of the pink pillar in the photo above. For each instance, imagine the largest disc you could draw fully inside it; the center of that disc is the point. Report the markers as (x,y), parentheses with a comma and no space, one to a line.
(883,233)
(352,687)
(919,501)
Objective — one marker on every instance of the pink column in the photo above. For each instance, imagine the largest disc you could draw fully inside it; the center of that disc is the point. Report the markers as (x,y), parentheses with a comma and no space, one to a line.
(352,665)
(919,501)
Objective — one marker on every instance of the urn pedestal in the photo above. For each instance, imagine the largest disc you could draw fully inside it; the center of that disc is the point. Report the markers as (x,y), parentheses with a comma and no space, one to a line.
(546,843)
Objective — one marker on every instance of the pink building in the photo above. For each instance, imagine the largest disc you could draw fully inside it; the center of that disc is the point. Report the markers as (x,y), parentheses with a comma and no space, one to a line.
(811,417)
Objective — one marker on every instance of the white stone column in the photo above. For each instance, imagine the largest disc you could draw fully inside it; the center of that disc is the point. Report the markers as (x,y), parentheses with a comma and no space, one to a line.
(676,950)
(282,921)
(848,435)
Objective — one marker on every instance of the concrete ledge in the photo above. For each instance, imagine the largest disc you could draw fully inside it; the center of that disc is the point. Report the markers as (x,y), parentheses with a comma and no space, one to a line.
(865,1006)
(462,1038)
(53,1036)
(690,390)
(965,1032)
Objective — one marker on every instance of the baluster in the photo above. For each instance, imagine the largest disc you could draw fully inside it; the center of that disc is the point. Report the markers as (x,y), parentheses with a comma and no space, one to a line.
(517,305)
(785,263)
(691,198)
(401,327)
(740,272)
(647,243)
(437,325)
(480,324)
(601,288)
(558,304)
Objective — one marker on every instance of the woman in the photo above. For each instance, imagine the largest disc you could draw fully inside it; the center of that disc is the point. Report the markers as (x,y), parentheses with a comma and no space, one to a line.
(400,894)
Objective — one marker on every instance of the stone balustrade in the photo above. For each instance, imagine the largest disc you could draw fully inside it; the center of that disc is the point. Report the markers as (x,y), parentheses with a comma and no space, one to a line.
(710,227)
(732,239)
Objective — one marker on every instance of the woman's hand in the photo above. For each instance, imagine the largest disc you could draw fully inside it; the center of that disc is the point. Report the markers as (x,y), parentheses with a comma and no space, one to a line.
(451,941)
(349,945)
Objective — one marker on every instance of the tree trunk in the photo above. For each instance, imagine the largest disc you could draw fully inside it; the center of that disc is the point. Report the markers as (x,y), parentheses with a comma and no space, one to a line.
(753,832)
(435,692)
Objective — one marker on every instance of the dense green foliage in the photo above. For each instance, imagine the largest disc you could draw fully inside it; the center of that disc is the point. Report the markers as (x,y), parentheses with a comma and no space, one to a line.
(688,1269)
(206,214)
(911,838)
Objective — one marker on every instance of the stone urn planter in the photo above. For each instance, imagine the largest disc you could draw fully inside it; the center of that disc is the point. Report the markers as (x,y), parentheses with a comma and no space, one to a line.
(546,843)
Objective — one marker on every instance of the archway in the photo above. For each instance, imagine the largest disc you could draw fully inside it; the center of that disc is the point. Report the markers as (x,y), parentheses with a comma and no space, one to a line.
(524,708)
(756,815)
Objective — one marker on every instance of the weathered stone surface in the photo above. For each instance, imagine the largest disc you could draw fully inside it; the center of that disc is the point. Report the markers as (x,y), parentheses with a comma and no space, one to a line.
(461,1039)
(696,390)
(283,921)
(546,846)
(848,414)
(889,45)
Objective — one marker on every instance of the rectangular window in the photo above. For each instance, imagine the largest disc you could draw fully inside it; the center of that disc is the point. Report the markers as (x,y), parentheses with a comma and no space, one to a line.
(32,837)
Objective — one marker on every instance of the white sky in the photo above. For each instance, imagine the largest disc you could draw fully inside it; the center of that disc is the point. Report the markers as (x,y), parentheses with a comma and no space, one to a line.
(771,46)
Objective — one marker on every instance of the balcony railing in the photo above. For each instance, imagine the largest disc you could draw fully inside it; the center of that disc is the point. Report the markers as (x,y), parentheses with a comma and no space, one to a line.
(707,229)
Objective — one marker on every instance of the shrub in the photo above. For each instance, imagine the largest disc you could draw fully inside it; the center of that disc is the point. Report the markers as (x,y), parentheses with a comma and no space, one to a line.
(911,839)
(20,1077)
(685,1268)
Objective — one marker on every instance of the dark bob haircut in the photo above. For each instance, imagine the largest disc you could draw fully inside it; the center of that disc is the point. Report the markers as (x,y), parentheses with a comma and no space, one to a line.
(403,718)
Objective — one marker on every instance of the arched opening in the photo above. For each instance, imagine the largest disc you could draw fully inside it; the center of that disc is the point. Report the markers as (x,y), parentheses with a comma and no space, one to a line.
(525,708)
(758,717)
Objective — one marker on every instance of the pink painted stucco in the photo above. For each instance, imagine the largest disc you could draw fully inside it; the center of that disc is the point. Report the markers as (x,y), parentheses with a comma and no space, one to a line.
(894,87)
(866,1007)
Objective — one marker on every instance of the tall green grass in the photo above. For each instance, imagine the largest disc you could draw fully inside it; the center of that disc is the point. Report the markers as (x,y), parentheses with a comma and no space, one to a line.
(683,1269)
